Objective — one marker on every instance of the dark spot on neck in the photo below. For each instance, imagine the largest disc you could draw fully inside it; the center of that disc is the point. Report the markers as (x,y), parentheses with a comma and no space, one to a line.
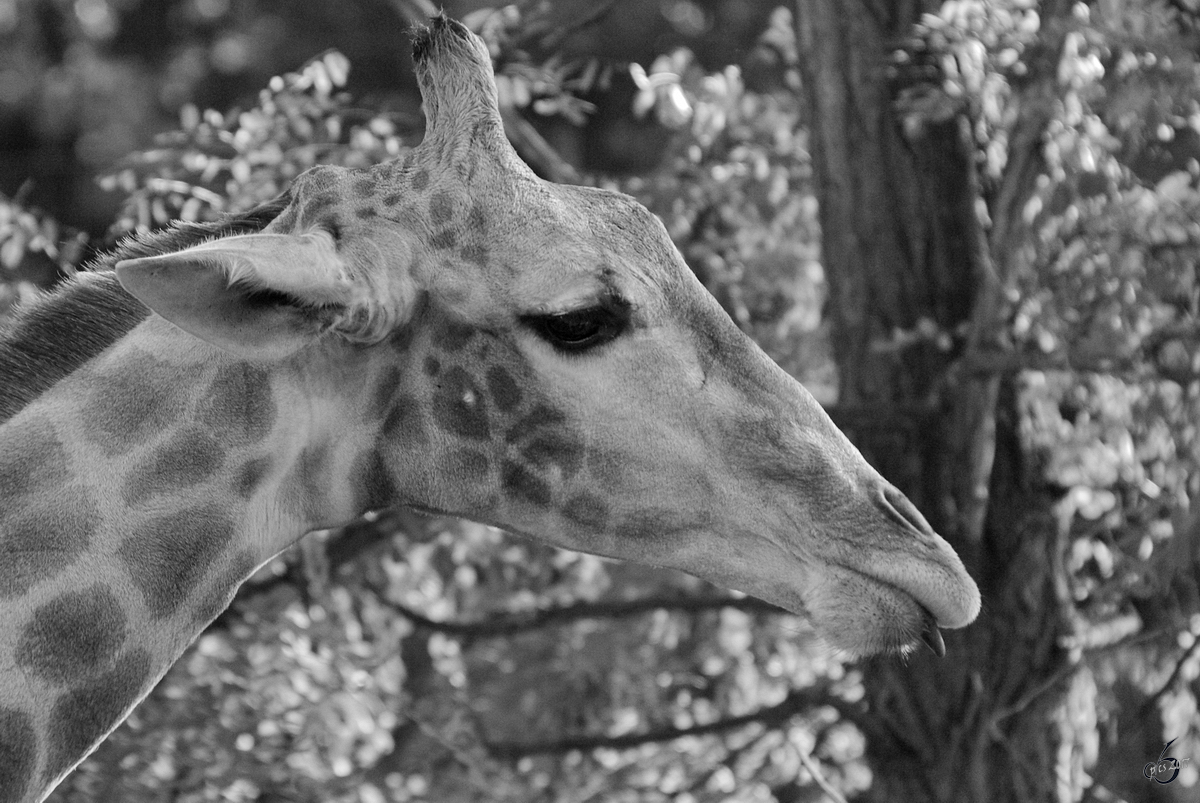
(140,396)
(167,556)
(420,180)
(18,754)
(186,460)
(72,636)
(239,403)
(83,715)
(31,458)
(41,539)
(250,476)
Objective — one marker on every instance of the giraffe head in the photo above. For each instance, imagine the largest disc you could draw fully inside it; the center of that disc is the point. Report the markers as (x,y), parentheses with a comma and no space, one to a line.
(484,344)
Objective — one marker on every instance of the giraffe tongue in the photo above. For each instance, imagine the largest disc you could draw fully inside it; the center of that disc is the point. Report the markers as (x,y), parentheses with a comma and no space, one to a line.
(932,636)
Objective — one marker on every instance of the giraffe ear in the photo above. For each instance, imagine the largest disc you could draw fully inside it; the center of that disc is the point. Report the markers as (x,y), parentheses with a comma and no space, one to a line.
(261,296)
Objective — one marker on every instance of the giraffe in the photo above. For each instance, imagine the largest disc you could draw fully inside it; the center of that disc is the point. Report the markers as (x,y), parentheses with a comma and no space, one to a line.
(445,332)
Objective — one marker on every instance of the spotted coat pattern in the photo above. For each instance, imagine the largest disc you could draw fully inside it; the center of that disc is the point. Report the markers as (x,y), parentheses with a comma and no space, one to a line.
(192,449)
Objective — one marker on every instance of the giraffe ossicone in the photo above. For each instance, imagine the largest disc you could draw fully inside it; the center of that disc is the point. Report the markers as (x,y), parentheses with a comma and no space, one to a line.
(447,332)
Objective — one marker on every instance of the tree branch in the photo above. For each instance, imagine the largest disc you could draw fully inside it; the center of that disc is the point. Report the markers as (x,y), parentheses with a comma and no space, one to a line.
(1028,698)
(508,624)
(560,33)
(365,534)
(1191,651)
(535,150)
(797,701)
(815,772)
(996,362)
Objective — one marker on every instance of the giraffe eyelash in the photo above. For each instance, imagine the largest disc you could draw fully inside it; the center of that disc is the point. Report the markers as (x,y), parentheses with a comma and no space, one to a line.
(585,328)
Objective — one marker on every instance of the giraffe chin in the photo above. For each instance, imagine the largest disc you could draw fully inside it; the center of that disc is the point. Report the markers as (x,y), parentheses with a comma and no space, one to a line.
(866,617)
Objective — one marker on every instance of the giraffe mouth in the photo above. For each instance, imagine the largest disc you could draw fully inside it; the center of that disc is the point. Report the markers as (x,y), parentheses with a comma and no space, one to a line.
(864,614)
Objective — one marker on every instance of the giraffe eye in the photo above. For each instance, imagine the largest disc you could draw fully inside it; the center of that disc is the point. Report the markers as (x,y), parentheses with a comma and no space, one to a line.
(581,329)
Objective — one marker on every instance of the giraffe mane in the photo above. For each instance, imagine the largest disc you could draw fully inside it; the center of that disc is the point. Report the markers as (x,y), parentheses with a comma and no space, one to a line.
(51,337)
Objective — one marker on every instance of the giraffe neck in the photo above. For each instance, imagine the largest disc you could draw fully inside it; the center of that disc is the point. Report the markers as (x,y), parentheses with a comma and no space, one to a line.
(138,494)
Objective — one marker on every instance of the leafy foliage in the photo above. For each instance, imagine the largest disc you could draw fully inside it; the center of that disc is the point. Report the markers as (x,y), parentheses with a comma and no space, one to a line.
(220,163)
(34,248)
(1102,312)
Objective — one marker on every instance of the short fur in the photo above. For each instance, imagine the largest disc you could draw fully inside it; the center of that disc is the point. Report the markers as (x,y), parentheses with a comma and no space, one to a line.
(92,311)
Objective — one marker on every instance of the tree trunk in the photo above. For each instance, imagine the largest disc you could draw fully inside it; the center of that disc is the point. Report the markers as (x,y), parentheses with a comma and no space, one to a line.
(905,251)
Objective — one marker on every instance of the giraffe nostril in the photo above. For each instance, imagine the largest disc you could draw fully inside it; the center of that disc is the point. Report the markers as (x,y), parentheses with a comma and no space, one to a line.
(904,512)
